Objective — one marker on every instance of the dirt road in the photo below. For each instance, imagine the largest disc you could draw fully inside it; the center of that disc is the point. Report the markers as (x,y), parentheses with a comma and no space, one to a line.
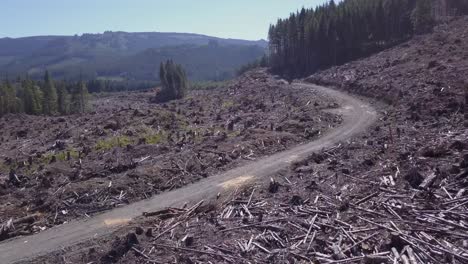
(357,116)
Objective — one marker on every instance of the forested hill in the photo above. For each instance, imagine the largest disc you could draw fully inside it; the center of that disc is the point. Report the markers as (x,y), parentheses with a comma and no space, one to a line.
(333,34)
(207,62)
(89,55)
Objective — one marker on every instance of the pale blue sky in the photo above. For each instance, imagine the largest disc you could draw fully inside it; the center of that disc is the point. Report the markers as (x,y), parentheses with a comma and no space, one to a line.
(245,19)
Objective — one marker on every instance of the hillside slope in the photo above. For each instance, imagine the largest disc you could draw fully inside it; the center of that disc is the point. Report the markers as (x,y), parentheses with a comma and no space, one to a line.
(90,54)
(426,76)
(207,62)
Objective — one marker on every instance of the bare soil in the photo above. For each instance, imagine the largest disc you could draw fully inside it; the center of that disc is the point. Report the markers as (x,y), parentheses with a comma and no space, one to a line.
(396,194)
(55,169)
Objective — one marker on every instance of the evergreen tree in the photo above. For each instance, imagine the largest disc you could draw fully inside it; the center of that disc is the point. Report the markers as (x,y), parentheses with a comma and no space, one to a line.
(11,102)
(38,99)
(83,97)
(80,96)
(181,82)
(24,96)
(422,16)
(29,100)
(3,104)
(460,6)
(63,99)
(334,33)
(163,74)
(49,105)
(174,82)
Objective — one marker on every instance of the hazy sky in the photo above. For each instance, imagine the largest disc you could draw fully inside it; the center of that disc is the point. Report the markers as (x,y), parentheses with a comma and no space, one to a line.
(246,19)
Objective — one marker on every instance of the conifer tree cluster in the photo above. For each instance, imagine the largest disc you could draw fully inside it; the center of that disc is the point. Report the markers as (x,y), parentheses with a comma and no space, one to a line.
(333,34)
(421,17)
(174,82)
(47,97)
(460,7)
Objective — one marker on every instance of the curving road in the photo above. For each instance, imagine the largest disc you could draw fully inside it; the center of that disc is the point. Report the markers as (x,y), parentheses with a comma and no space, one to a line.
(357,115)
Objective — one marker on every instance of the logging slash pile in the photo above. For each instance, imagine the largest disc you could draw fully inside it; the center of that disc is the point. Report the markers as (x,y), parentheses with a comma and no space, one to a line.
(56,169)
(396,194)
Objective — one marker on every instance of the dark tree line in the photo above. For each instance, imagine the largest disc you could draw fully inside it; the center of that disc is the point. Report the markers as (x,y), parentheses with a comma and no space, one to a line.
(174,82)
(46,97)
(458,7)
(108,86)
(332,34)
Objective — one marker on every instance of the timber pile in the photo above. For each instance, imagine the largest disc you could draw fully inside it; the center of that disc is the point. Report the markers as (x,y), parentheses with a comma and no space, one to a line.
(380,223)
(330,208)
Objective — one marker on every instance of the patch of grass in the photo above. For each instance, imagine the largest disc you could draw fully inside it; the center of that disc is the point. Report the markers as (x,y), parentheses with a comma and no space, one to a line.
(234,134)
(43,160)
(60,156)
(118,141)
(227,104)
(4,168)
(173,119)
(152,139)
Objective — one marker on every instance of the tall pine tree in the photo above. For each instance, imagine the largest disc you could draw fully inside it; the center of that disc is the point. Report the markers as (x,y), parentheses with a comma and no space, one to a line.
(83,97)
(80,97)
(49,105)
(30,102)
(63,99)
(422,16)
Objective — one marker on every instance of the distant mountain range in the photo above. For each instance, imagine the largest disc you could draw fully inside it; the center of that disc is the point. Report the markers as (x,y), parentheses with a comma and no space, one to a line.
(125,56)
